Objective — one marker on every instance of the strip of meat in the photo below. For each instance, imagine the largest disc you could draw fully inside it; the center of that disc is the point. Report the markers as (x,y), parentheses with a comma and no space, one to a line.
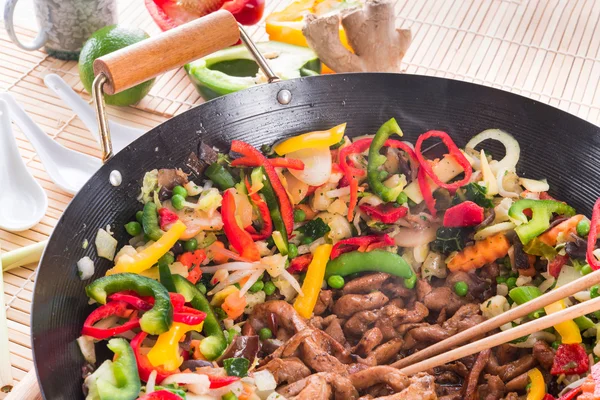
(359,323)
(394,288)
(284,312)
(335,331)
(380,374)
(324,302)
(365,284)
(543,354)
(519,383)
(511,370)
(421,387)
(349,304)
(473,378)
(320,386)
(387,351)
(288,370)
(368,342)
(443,297)
(494,389)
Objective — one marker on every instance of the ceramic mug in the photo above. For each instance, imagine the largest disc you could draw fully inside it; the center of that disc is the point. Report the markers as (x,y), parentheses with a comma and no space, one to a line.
(65,25)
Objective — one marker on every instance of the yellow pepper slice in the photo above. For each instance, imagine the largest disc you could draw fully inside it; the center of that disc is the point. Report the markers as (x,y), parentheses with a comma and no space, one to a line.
(311,287)
(568,330)
(148,257)
(311,140)
(537,391)
(165,351)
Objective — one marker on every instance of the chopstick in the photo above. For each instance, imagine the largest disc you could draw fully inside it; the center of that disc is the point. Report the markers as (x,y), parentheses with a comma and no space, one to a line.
(505,336)
(521,311)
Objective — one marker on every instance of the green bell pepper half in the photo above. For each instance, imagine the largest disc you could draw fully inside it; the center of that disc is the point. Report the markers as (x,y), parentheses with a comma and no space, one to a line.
(234,68)
(215,342)
(154,321)
(376,160)
(542,211)
(370,261)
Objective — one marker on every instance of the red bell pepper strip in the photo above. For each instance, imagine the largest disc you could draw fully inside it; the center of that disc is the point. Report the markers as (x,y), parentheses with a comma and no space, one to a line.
(189,318)
(571,395)
(358,243)
(132,299)
(118,308)
(192,260)
(570,359)
(556,265)
(160,395)
(217,382)
(166,217)
(462,215)
(426,192)
(251,154)
(453,150)
(300,263)
(548,396)
(240,239)
(593,236)
(265,214)
(144,365)
(289,163)
(386,213)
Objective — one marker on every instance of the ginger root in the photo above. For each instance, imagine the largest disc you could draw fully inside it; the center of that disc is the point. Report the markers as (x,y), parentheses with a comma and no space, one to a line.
(378,46)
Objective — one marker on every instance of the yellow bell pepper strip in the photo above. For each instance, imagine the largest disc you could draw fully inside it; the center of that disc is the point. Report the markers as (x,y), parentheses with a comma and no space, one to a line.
(568,330)
(311,140)
(537,390)
(148,257)
(165,352)
(311,287)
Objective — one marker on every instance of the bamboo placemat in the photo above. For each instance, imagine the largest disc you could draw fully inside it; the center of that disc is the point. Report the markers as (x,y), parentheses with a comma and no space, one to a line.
(544,49)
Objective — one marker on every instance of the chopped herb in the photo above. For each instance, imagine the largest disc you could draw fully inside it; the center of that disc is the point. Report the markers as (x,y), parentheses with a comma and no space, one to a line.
(473,192)
(314,229)
(449,240)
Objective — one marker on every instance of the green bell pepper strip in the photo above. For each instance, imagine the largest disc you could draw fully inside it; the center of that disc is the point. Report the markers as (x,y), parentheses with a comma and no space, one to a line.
(154,321)
(234,68)
(215,342)
(259,175)
(584,323)
(166,278)
(542,211)
(523,294)
(538,248)
(150,222)
(376,160)
(370,261)
(125,370)
(220,176)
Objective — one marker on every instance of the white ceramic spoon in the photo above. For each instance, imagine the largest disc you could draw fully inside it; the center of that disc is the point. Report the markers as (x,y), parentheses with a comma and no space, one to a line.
(121,135)
(69,169)
(23,202)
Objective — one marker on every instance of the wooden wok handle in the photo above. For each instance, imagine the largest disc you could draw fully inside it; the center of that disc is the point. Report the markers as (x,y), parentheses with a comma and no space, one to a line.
(27,389)
(171,49)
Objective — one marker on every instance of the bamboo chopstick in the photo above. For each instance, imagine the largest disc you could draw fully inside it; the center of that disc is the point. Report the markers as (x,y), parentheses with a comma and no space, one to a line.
(521,311)
(505,336)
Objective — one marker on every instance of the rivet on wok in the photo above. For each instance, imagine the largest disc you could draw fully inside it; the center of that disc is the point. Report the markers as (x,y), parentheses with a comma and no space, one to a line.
(284,97)
(115,178)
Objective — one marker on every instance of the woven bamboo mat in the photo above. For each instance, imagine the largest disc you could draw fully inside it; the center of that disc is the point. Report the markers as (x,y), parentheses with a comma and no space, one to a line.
(544,49)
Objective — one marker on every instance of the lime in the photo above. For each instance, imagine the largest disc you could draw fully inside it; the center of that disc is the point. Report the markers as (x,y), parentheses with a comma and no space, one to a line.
(104,41)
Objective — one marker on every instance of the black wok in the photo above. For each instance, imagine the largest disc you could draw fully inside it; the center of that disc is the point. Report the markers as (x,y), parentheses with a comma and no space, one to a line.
(554,145)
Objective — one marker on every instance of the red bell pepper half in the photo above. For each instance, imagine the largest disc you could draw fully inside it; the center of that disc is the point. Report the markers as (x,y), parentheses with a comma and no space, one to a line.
(160,395)
(593,236)
(300,263)
(462,215)
(361,243)
(265,214)
(240,239)
(570,359)
(387,213)
(192,260)
(169,14)
(120,309)
(166,217)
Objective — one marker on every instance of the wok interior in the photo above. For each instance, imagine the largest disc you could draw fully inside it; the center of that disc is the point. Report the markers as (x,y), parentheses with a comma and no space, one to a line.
(554,145)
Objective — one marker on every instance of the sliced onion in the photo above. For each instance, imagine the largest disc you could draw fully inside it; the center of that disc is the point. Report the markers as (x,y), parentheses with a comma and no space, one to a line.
(106,245)
(196,383)
(513,150)
(332,194)
(251,281)
(493,229)
(488,176)
(264,380)
(317,165)
(296,189)
(405,237)
(234,277)
(500,182)
(534,185)
(87,347)
(213,248)
(567,275)
(243,209)
(86,268)
(292,281)
(151,382)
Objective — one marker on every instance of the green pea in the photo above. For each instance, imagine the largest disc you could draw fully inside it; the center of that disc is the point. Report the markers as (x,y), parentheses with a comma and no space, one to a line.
(257,287)
(299,215)
(410,283)
(511,282)
(307,240)
(292,250)
(177,201)
(594,291)
(336,281)
(190,245)
(586,269)
(265,333)
(461,288)
(139,215)
(402,198)
(180,190)
(583,227)
(269,288)
(133,228)
(555,345)
(229,396)
(167,258)
(500,279)
(201,287)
